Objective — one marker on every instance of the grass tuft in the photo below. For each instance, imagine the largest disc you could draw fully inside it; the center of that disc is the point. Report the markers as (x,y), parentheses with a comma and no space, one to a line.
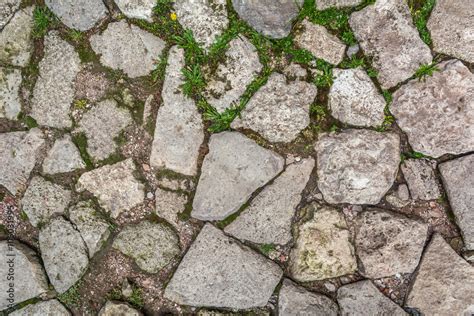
(72,297)
(44,19)
(425,70)
(420,11)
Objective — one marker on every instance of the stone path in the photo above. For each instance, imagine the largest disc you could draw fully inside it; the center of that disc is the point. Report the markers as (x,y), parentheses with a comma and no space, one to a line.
(231,157)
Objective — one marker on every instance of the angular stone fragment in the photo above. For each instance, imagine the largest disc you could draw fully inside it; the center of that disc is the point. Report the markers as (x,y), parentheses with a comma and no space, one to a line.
(7,9)
(458,179)
(219,272)
(357,166)
(279,111)
(179,129)
(114,186)
(354,99)
(169,205)
(91,85)
(10,80)
(207,19)
(322,44)
(388,243)
(421,178)
(399,198)
(64,254)
(63,157)
(141,9)
(44,199)
(54,89)
(294,71)
(117,308)
(102,124)
(46,308)
(268,218)
(231,78)
(18,157)
(444,282)
(451,26)
(363,298)
(272,18)
(30,279)
(437,112)
(386,33)
(326,4)
(128,48)
(78,14)
(294,300)
(232,170)
(323,249)
(16,42)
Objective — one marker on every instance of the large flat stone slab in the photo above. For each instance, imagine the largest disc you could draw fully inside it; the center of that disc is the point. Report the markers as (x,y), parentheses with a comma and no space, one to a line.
(49,308)
(78,14)
(63,157)
(10,80)
(16,44)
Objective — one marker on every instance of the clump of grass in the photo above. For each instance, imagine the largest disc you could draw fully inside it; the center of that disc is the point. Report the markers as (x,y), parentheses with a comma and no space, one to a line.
(420,16)
(75,35)
(27,120)
(193,51)
(136,299)
(80,140)
(266,249)
(194,80)
(43,19)
(387,96)
(325,78)
(80,104)
(426,70)
(72,297)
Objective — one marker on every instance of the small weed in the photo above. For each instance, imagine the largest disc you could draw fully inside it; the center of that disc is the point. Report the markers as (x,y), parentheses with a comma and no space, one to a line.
(325,77)
(353,62)
(80,140)
(319,111)
(80,104)
(194,80)
(158,74)
(420,17)
(194,53)
(334,128)
(387,96)
(387,122)
(71,297)
(416,155)
(44,19)
(23,216)
(27,120)
(75,35)
(371,72)
(425,70)
(267,248)
(136,299)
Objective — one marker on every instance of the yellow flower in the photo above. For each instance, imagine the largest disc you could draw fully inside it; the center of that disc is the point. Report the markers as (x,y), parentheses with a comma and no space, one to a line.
(173,16)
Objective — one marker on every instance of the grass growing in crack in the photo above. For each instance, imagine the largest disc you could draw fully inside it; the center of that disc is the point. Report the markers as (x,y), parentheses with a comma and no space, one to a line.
(426,70)
(136,298)
(43,19)
(75,35)
(325,77)
(27,120)
(387,96)
(266,249)
(194,80)
(420,17)
(72,297)
(193,52)
(80,140)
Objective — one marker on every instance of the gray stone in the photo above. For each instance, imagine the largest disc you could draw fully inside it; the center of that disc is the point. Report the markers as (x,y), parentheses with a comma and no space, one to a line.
(232,170)
(7,10)
(141,9)
(388,243)
(207,19)
(10,80)
(458,181)
(63,157)
(231,78)
(323,248)
(437,113)
(451,26)
(128,48)
(444,282)
(64,254)
(294,300)
(30,279)
(326,4)
(272,18)
(421,178)
(117,308)
(268,218)
(363,298)
(322,44)
(18,157)
(399,198)
(16,42)
(114,186)
(295,72)
(91,85)
(176,184)
(54,90)
(179,128)
(354,99)
(218,271)
(386,33)
(102,124)
(44,308)
(352,50)
(94,229)
(44,199)
(78,14)
(357,166)
(278,111)
(169,205)
(151,245)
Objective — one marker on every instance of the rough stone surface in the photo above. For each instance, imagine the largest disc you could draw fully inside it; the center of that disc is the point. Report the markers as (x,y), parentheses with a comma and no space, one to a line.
(151,245)
(18,157)
(179,128)
(458,179)
(16,42)
(7,10)
(357,166)
(78,14)
(451,26)
(45,308)
(43,199)
(323,249)
(272,18)
(400,197)
(437,113)
(10,80)
(239,69)
(278,111)
(294,71)
(326,4)
(363,298)
(94,229)
(117,308)
(64,254)
(63,157)
(322,44)
(207,19)
(169,204)
(128,48)
(217,271)
(141,9)
(388,243)
(294,300)
(102,124)
(30,279)
(421,178)
(386,33)
(232,170)
(444,282)
(354,99)
(54,90)
(114,186)
(91,85)
(268,218)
